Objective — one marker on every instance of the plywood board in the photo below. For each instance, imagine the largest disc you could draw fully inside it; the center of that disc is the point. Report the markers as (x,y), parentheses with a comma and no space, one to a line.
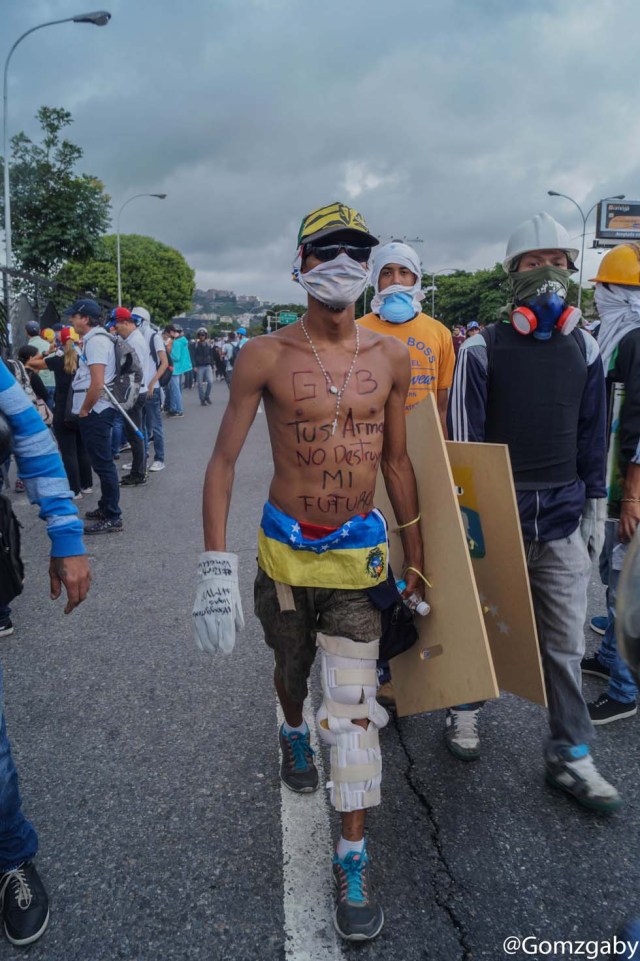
(451,662)
(482,473)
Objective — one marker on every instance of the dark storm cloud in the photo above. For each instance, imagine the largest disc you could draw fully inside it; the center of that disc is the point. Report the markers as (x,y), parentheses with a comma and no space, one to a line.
(445,120)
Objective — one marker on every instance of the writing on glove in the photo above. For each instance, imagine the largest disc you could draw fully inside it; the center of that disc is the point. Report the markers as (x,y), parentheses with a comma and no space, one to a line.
(217,609)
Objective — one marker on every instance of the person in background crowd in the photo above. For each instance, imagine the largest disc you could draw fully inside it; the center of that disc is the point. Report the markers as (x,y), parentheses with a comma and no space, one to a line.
(472,329)
(229,352)
(158,363)
(181,364)
(242,337)
(617,299)
(535,383)
(190,375)
(126,327)
(64,364)
(44,347)
(96,367)
(203,360)
(167,339)
(458,338)
(396,276)
(24,903)
(218,358)
(25,354)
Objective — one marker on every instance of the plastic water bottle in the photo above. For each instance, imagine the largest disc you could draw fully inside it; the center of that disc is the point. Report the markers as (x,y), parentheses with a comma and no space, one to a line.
(414,602)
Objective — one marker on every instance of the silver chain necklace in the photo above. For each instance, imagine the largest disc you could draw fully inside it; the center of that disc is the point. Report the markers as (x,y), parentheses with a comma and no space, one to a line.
(338,391)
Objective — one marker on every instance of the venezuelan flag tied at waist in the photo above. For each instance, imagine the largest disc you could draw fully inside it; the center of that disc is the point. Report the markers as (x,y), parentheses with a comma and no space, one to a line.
(353,557)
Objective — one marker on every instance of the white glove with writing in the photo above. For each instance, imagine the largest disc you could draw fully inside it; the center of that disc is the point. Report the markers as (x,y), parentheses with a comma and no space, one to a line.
(217,610)
(594,515)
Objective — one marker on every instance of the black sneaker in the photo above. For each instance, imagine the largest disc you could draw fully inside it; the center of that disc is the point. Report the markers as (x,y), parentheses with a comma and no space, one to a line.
(105,527)
(297,771)
(356,917)
(606,709)
(6,628)
(593,665)
(24,904)
(133,480)
(96,515)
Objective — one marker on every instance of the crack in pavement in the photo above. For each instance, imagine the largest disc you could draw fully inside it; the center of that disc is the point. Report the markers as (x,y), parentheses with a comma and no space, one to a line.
(446,893)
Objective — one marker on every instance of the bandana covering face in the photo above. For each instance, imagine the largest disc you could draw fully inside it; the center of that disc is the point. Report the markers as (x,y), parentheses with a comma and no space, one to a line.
(396,253)
(619,311)
(336,284)
(543,280)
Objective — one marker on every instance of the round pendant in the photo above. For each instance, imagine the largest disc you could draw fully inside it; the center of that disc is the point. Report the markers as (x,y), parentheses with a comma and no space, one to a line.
(333,389)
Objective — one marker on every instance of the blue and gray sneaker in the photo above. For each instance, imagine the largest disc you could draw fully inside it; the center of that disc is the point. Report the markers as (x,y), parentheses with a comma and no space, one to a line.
(598,624)
(297,771)
(357,917)
(571,769)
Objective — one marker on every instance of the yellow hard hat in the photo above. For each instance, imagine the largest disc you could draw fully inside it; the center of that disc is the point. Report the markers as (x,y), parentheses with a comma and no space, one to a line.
(620,266)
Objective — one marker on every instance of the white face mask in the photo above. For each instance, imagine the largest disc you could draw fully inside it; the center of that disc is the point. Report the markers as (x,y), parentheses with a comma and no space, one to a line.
(336,284)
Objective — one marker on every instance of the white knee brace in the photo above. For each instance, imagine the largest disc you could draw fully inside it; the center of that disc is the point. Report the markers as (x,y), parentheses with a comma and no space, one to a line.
(349,685)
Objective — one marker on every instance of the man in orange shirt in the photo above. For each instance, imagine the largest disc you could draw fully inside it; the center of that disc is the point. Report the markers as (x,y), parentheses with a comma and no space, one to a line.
(397,278)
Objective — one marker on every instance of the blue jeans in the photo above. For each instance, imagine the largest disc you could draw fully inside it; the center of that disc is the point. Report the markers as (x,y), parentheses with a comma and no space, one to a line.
(96,434)
(175,394)
(18,838)
(622,686)
(152,424)
(205,376)
(117,434)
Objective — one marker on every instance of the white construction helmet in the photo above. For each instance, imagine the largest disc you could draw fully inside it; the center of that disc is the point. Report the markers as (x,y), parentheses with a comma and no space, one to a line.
(142,313)
(542,232)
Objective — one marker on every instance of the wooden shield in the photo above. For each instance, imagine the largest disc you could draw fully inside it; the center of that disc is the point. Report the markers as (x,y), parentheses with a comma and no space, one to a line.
(482,474)
(451,662)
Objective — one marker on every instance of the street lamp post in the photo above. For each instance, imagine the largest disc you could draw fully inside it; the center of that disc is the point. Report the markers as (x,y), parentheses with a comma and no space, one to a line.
(98,18)
(160,197)
(434,274)
(585,217)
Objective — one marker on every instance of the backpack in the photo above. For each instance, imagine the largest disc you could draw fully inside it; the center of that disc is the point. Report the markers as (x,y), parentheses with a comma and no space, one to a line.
(164,378)
(11,566)
(234,353)
(125,386)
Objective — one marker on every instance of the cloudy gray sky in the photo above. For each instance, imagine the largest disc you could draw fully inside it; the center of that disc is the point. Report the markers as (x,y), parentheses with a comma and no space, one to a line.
(446,120)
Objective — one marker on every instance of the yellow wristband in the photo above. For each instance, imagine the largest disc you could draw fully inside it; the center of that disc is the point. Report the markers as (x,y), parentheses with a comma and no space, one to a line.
(401,527)
(420,575)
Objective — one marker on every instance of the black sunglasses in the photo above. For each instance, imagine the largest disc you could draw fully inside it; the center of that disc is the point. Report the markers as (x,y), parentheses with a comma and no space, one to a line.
(327,252)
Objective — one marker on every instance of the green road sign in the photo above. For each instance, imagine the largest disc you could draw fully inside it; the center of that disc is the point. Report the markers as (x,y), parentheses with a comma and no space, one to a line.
(286,317)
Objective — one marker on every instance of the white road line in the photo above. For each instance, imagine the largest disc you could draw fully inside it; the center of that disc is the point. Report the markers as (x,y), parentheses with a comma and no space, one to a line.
(307,850)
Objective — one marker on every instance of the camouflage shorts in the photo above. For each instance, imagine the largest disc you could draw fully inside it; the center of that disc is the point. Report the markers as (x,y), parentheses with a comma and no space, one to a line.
(291,634)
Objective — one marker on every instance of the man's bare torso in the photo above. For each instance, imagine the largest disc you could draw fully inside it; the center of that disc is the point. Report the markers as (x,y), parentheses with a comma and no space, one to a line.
(320,477)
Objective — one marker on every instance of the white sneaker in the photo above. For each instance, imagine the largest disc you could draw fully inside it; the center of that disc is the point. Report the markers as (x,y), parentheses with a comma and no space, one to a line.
(86,490)
(461,734)
(77,497)
(572,770)
(125,467)
(157,465)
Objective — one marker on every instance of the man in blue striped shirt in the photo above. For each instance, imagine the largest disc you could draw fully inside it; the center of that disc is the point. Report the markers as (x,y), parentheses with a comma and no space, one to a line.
(24,904)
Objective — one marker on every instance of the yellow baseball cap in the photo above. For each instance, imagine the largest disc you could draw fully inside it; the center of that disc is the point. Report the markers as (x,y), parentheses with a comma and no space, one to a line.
(339,219)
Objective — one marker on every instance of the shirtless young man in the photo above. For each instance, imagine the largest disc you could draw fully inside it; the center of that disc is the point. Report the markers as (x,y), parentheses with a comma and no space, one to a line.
(334,397)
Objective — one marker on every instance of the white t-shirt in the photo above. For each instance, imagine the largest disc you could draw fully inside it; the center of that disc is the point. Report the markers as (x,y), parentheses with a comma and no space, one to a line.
(137,340)
(98,348)
(152,336)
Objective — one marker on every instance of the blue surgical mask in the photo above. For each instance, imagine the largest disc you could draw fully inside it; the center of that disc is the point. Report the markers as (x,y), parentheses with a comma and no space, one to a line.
(398,308)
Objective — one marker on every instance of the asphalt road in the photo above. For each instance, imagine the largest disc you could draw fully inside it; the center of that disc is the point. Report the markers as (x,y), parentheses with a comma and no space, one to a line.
(151,770)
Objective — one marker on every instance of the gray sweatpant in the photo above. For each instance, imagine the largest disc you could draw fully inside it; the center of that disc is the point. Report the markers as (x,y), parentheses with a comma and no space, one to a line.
(559,573)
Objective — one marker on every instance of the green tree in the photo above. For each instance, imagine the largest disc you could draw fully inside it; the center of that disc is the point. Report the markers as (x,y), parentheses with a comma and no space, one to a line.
(154,275)
(56,214)
(461,297)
